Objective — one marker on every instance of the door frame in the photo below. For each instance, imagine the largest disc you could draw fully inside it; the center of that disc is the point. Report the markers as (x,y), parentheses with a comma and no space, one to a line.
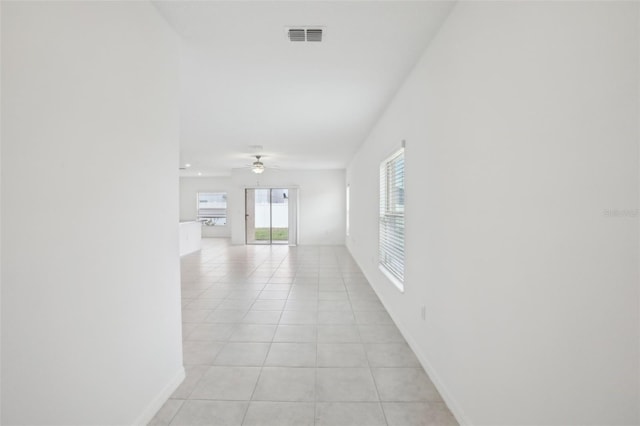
(292,213)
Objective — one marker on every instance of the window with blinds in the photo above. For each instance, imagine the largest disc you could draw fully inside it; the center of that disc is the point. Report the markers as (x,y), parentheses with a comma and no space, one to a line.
(212,208)
(391,245)
(348,201)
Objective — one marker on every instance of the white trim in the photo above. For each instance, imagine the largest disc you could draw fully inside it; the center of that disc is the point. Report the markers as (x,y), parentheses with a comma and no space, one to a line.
(452,404)
(156,403)
(394,154)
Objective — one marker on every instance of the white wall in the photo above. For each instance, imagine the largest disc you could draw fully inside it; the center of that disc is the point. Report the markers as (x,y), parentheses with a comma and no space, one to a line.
(321,202)
(90,320)
(189,188)
(521,122)
(321,206)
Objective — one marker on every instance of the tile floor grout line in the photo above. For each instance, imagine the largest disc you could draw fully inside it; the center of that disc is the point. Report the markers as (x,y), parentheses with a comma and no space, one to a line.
(177,411)
(257,380)
(366,355)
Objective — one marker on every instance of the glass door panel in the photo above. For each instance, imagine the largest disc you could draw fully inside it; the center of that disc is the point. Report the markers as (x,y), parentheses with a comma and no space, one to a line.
(258,216)
(279,216)
(267,215)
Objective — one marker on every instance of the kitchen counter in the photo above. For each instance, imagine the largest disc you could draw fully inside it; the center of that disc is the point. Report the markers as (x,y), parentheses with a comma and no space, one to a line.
(190,237)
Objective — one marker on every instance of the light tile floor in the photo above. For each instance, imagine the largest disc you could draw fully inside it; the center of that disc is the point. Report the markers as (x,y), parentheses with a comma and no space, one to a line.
(277,335)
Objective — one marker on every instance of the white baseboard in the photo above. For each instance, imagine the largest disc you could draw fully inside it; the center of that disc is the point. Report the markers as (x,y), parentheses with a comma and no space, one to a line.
(145,417)
(453,406)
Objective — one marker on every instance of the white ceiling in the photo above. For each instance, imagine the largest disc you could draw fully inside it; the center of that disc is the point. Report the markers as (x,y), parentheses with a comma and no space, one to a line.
(310,105)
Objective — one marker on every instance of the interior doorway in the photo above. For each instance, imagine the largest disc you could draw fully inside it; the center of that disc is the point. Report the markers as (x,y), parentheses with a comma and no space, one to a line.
(269,216)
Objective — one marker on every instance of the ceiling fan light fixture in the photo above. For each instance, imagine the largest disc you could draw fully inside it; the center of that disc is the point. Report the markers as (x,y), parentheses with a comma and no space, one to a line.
(257,166)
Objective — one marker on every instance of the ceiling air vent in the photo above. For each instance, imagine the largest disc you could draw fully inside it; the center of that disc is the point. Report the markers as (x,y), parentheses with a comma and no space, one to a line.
(296,34)
(314,34)
(300,33)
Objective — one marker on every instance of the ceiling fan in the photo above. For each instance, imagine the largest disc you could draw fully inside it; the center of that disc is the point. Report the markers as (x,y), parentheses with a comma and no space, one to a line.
(257,166)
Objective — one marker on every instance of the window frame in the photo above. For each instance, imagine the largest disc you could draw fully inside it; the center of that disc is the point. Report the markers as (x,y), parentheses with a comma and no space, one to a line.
(202,220)
(388,209)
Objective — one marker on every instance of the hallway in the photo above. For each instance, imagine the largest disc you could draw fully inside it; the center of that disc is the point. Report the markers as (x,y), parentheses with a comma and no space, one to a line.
(281,336)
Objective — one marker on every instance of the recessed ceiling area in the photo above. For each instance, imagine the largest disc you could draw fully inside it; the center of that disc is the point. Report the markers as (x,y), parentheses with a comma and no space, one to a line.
(308,104)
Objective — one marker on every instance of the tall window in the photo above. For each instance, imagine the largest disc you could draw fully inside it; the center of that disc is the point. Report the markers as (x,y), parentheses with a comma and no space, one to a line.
(348,202)
(391,245)
(212,208)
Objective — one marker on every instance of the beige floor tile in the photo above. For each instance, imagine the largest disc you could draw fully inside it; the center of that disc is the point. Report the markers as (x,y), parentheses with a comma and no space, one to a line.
(268,305)
(391,355)
(380,334)
(349,414)
(286,384)
(214,332)
(200,352)
(263,413)
(345,384)
(242,354)
(262,317)
(341,355)
(418,414)
(405,385)
(168,411)
(253,333)
(226,316)
(275,335)
(299,317)
(338,334)
(227,383)
(296,333)
(335,317)
(193,374)
(291,355)
(210,413)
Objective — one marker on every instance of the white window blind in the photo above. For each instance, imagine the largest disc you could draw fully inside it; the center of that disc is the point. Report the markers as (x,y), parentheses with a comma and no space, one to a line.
(212,208)
(348,208)
(391,245)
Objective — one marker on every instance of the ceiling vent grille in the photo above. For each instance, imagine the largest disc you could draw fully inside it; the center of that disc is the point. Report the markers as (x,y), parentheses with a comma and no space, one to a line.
(296,34)
(305,34)
(314,34)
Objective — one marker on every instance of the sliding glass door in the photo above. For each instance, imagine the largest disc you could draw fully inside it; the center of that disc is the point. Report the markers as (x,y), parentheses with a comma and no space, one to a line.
(267,215)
